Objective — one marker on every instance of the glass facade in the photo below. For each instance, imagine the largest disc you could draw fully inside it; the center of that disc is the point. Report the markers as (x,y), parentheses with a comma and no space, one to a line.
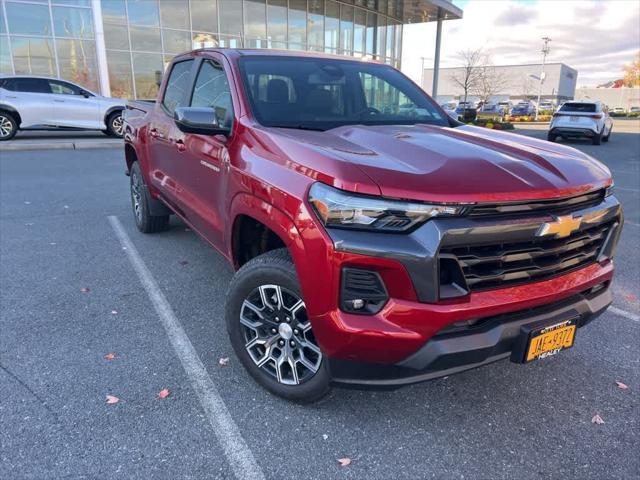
(58,37)
(49,37)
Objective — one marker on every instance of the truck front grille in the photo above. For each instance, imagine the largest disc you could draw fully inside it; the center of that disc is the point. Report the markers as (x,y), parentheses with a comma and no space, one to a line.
(506,264)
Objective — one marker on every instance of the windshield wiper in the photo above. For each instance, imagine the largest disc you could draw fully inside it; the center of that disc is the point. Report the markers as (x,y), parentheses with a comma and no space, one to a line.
(299,127)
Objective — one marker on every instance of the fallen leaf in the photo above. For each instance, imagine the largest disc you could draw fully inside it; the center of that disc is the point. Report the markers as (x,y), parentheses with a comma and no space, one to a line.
(164,393)
(84,290)
(66,206)
(27,203)
(112,399)
(622,386)
(597,419)
(325,436)
(114,312)
(52,243)
(344,461)
(631,298)
(224,361)
(184,262)
(110,356)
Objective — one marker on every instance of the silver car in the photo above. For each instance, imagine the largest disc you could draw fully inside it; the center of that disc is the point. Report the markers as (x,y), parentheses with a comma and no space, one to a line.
(39,103)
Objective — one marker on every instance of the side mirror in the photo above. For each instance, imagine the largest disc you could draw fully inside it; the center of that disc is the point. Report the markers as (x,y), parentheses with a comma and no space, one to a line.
(85,94)
(198,120)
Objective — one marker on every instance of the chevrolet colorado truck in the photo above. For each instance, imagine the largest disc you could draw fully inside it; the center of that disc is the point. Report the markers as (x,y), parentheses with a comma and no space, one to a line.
(376,240)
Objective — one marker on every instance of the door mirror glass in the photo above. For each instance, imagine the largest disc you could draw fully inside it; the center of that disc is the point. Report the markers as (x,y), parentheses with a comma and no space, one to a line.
(200,120)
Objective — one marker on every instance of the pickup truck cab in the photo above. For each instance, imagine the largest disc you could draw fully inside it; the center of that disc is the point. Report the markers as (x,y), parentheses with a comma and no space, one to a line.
(376,240)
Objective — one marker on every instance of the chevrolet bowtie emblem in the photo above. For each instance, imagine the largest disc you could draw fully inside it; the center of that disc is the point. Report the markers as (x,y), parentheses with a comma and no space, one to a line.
(561,227)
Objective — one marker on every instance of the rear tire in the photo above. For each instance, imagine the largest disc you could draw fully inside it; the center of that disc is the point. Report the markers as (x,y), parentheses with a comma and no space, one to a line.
(8,126)
(606,139)
(597,139)
(273,340)
(115,125)
(145,222)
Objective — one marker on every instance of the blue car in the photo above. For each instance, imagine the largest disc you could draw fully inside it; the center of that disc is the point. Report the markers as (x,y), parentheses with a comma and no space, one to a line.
(523,109)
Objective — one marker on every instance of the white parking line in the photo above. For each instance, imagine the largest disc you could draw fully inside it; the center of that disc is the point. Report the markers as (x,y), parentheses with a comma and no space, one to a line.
(626,189)
(237,452)
(627,222)
(625,314)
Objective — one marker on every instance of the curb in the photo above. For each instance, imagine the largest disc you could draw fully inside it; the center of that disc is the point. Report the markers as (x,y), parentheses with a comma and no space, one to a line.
(26,146)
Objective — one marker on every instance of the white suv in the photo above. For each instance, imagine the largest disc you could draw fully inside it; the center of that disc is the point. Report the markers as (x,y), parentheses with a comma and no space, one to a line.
(39,103)
(581,119)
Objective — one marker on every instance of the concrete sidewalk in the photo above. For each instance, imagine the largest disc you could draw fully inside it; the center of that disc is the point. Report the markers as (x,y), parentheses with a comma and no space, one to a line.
(44,140)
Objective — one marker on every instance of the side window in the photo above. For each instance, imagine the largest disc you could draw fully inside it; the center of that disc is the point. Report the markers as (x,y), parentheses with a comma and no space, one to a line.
(212,90)
(63,88)
(177,86)
(30,85)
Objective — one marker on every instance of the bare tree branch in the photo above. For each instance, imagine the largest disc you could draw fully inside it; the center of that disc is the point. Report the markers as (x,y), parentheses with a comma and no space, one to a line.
(468,76)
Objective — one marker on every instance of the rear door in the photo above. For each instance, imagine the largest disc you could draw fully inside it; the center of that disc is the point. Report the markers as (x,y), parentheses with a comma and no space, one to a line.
(205,161)
(166,155)
(32,98)
(71,108)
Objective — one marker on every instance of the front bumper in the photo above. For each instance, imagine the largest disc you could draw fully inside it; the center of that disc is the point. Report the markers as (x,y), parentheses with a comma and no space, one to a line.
(405,340)
(451,353)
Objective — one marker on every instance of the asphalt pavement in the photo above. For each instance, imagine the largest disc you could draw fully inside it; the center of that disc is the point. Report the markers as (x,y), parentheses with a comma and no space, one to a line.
(72,293)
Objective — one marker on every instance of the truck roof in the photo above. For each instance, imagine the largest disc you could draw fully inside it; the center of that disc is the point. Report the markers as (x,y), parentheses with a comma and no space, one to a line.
(243,52)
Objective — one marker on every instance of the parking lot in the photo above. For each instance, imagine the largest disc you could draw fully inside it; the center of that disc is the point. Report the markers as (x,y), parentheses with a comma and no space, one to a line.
(71,295)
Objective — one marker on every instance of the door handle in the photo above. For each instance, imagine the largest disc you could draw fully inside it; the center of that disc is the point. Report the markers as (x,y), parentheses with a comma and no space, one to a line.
(180,146)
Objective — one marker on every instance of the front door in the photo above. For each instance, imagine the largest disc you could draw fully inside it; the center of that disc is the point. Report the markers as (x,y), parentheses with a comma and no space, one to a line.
(34,98)
(71,108)
(205,164)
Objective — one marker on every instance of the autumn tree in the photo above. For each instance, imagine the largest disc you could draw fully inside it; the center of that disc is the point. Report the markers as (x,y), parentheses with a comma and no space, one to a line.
(467,77)
(632,72)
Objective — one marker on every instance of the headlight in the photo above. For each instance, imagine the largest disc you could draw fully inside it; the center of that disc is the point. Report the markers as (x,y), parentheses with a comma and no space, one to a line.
(609,190)
(337,208)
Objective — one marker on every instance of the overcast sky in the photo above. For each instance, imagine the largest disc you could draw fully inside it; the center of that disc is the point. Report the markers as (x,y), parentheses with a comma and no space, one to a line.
(595,37)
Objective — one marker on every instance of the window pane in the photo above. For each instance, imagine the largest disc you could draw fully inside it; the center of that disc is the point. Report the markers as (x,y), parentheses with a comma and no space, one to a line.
(398,42)
(255,21)
(346,28)
(63,88)
(359,35)
(5,57)
(204,15)
(79,3)
(147,71)
(230,17)
(297,24)
(114,11)
(143,12)
(2,29)
(33,55)
(116,36)
(391,36)
(212,90)
(177,85)
(77,62)
(204,40)
(176,41)
(120,77)
(371,32)
(175,14)
(315,25)
(145,39)
(332,27)
(28,19)
(72,22)
(277,27)
(382,30)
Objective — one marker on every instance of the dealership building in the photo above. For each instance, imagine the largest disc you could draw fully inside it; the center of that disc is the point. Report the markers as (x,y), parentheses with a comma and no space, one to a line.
(120,47)
(517,82)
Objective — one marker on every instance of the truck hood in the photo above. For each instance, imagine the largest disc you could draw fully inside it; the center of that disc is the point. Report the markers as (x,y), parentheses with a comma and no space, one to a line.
(463,164)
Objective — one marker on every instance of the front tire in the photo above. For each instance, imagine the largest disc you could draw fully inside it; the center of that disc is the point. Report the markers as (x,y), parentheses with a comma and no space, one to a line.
(270,332)
(115,124)
(145,222)
(597,139)
(8,126)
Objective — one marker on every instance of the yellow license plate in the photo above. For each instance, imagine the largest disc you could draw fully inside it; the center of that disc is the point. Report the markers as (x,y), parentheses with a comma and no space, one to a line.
(551,340)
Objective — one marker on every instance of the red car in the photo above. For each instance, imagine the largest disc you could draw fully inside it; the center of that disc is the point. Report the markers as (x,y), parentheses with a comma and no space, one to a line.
(376,240)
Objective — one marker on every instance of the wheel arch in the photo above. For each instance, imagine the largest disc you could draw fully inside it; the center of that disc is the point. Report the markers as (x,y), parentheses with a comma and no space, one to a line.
(112,110)
(12,110)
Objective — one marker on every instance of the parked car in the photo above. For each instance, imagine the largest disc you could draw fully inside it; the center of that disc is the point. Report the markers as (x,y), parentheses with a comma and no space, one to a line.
(634,110)
(581,119)
(523,109)
(39,103)
(547,107)
(505,107)
(618,110)
(450,109)
(490,110)
(361,254)
(466,111)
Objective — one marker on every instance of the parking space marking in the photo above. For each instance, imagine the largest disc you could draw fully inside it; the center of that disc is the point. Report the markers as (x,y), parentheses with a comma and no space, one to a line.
(626,189)
(236,450)
(625,314)
(628,222)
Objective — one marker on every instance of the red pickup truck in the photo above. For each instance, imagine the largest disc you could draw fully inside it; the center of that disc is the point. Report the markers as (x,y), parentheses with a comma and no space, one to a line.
(376,240)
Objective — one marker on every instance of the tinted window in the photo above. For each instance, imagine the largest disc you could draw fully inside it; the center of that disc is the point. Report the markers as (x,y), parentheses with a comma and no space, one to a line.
(212,90)
(177,86)
(578,107)
(64,88)
(31,85)
(323,93)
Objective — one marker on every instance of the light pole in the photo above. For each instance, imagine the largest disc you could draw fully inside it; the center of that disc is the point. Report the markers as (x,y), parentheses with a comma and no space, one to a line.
(545,52)
(422,72)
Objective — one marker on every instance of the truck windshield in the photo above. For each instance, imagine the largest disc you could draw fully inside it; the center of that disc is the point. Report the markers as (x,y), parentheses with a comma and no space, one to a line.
(320,94)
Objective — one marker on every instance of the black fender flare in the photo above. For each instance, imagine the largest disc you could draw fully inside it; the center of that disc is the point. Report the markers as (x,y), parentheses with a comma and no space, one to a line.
(9,108)
(111,110)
